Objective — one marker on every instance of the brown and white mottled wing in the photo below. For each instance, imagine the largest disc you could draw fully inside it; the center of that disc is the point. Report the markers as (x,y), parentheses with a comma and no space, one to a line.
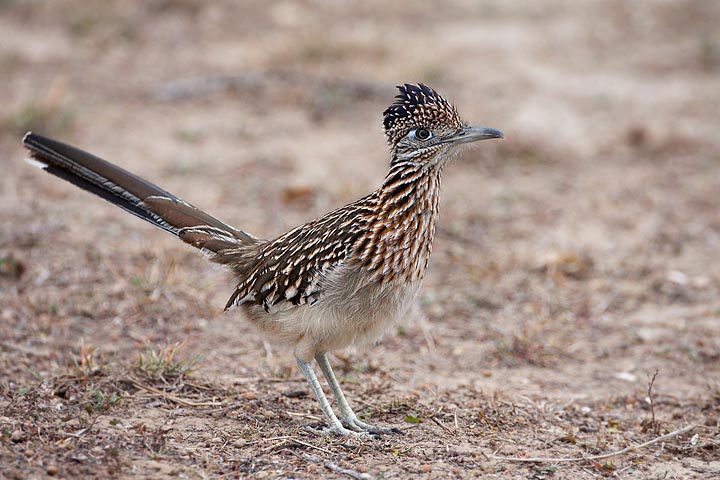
(288,272)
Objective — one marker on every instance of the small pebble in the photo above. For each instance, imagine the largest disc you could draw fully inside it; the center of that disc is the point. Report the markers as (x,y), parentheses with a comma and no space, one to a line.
(17,436)
(362,469)
(51,470)
(426,468)
(73,422)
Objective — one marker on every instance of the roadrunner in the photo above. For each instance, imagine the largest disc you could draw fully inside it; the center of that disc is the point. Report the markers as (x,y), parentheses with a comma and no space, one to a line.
(341,279)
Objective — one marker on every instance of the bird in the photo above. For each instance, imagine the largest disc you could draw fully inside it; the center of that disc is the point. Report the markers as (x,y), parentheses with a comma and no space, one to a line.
(342,279)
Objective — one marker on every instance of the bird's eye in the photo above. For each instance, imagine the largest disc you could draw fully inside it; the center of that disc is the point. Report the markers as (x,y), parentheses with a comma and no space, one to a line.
(422,134)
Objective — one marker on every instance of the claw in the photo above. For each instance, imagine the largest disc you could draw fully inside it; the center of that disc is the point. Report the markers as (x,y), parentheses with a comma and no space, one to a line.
(360,426)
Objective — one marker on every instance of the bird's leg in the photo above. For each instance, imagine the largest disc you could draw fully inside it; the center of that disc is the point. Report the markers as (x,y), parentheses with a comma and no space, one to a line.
(335,426)
(349,419)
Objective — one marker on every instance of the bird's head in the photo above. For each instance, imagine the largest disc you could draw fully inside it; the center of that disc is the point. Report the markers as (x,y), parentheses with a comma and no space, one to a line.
(424,128)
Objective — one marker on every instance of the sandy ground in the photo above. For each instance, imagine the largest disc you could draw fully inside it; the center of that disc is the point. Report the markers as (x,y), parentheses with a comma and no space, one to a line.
(573,261)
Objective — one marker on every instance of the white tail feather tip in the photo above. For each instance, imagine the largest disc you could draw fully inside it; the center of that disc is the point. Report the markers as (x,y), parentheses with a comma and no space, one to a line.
(36,163)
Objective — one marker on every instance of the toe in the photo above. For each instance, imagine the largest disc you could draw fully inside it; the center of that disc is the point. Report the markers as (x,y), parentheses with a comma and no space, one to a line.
(358,425)
(339,430)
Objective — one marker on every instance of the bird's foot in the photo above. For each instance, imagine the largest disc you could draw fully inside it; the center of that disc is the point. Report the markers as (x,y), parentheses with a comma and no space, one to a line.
(339,430)
(355,424)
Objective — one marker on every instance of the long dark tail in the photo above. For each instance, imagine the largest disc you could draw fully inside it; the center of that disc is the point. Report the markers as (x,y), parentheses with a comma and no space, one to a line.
(134,195)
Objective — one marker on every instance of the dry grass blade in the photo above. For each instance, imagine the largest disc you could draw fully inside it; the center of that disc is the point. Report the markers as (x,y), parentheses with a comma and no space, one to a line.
(595,457)
(324,450)
(306,416)
(289,440)
(441,425)
(173,398)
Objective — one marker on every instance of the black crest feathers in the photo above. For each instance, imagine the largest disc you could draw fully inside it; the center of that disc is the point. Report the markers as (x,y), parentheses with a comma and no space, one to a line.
(417,105)
(407,101)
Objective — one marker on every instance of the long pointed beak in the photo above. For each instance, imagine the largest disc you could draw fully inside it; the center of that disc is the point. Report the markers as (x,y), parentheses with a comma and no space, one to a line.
(475,134)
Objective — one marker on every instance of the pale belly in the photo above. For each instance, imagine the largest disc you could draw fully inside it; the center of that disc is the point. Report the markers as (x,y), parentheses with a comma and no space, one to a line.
(347,313)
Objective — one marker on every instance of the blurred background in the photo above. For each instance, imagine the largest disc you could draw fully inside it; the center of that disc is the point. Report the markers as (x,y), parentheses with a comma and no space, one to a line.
(572,260)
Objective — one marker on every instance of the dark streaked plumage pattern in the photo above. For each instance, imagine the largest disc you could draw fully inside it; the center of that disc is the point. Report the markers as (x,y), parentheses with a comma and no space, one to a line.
(289,268)
(340,279)
(388,233)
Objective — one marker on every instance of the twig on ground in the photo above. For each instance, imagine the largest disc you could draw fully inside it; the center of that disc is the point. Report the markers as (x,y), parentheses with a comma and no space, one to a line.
(654,425)
(371,405)
(440,424)
(288,439)
(239,381)
(594,475)
(306,416)
(312,446)
(255,442)
(273,447)
(338,469)
(196,386)
(77,434)
(595,457)
(173,398)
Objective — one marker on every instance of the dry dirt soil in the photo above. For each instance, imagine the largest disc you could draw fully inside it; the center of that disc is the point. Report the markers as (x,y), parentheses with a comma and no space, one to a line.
(573,262)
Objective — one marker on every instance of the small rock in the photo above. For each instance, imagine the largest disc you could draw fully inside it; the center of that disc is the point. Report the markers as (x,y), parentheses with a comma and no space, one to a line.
(79,457)
(426,468)
(295,394)
(677,277)
(51,470)
(625,376)
(17,436)
(362,469)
